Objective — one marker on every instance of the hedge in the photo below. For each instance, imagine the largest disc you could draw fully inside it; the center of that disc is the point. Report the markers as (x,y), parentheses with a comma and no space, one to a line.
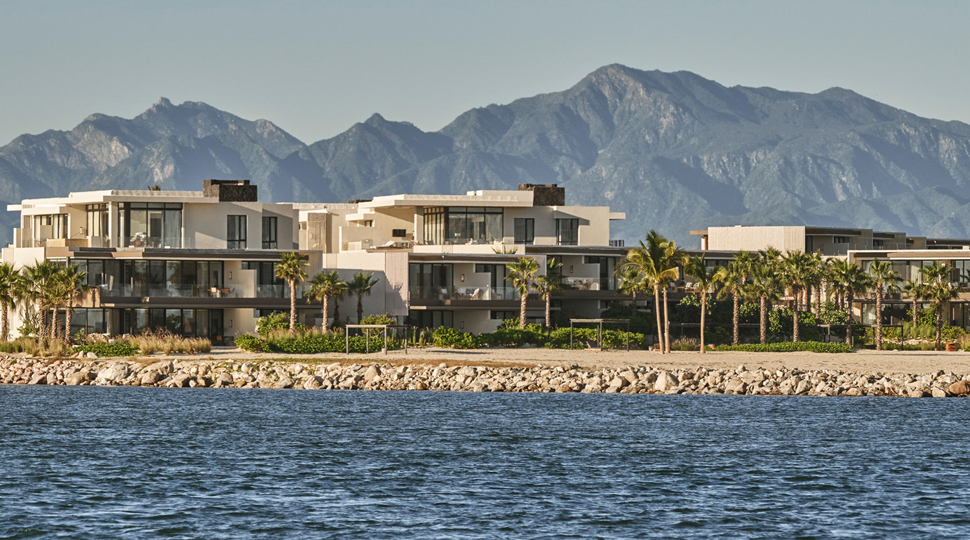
(789,346)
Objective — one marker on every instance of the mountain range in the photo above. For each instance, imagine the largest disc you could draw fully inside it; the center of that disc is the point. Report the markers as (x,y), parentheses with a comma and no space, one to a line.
(675,151)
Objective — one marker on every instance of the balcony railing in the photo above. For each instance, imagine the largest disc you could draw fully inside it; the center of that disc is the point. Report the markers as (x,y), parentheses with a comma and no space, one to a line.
(582,284)
(463,293)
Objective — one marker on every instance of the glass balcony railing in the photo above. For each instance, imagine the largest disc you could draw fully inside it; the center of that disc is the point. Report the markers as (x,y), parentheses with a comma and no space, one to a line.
(168,291)
(463,293)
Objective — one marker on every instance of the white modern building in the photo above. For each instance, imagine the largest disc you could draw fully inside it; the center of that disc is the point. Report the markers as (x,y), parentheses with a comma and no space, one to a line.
(202,262)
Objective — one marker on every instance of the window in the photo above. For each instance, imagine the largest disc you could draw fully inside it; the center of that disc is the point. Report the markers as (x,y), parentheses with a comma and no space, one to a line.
(49,226)
(236,232)
(840,239)
(567,232)
(878,244)
(150,224)
(399,233)
(503,315)
(97,220)
(269,233)
(463,225)
(525,231)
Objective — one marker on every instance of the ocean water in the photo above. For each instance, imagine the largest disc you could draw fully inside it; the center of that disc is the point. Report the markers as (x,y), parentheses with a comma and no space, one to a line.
(91,462)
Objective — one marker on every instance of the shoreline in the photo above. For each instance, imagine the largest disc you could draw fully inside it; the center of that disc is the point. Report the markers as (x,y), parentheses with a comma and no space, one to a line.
(863,373)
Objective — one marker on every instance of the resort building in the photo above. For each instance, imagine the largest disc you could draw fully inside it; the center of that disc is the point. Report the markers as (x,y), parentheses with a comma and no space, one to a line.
(907,255)
(202,263)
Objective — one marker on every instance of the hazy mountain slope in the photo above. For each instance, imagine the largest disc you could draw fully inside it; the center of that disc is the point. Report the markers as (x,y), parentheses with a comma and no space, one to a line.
(674,151)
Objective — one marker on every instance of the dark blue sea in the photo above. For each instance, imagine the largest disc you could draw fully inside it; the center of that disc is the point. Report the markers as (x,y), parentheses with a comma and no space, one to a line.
(91,462)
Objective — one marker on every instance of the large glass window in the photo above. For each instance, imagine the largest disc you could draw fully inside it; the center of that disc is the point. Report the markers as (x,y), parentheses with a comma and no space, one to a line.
(268,285)
(525,231)
(607,266)
(567,232)
(49,226)
(430,281)
(269,232)
(463,225)
(157,225)
(186,322)
(236,232)
(431,319)
(97,225)
(153,277)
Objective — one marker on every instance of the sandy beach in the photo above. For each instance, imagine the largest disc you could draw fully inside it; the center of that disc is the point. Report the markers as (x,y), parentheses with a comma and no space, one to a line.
(861,361)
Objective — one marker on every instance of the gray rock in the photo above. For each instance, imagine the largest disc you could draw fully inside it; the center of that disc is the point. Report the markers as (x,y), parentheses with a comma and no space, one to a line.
(313,383)
(665,381)
(91,356)
(79,377)
(113,374)
(52,378)
(372,373)
(40,378)
(960,388)
(180,380)
(938,392)
(151,377)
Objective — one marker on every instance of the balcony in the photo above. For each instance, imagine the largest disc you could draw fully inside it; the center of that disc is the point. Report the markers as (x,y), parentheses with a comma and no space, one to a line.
(463,293)
(169,291)
(582,284)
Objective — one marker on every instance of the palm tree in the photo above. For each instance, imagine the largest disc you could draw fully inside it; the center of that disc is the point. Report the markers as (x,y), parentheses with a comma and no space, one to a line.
(522,272)
(631,282)
(549,284)
(885,280)
(40,284)
(8,294)
(734,276)
(939,289)
(322,287)
(362,285)
(915,289)
(74,282)
(818,270)
(796,270)
(848,280)
(764,287)
(704,281)
(292,269)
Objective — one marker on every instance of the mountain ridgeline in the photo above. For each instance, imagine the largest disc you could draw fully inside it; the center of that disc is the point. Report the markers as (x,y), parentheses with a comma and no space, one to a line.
(674,151)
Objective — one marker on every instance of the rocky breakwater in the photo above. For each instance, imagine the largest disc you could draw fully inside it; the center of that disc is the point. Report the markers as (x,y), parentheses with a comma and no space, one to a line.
(374,376)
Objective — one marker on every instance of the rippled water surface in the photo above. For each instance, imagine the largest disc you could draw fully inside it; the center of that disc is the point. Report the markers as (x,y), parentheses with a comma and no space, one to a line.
(90,462)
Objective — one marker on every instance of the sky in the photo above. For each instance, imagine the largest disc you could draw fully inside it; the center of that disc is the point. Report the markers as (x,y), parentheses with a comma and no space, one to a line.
(317,67)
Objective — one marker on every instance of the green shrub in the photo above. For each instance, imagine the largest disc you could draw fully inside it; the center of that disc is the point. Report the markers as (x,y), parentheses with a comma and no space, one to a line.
(118,348)
(559,338)
(453,338)
(251,343)
(789,346)
(274,321)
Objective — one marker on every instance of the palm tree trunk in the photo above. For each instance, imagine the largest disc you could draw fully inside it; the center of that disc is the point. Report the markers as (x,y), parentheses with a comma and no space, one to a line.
(794,325)
(4,323)
(818,303)
(360,307)
(808,298)
(292,306)
(52,327)
(656,305)
(848,318)
(703,313)
(326,310)
(41,318)
(522,299)
(764,319)
(879,317)
(666,324)
(939,324)
(548,309)
(67,321)
(915,319)
(737,316)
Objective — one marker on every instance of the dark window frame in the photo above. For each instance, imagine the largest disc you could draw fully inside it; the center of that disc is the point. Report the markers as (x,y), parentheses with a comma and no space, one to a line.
(238,224)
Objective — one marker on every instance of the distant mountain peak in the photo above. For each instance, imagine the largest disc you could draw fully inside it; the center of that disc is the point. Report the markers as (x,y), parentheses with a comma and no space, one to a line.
(164,102)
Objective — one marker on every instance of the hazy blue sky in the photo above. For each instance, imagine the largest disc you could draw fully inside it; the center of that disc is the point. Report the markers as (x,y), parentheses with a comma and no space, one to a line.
(315,68)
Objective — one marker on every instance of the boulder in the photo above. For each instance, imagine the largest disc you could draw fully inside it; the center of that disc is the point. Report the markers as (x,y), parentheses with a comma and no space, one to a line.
(224,379)
(164,367)
(938,392)
(313,383)
(39,378)
(960,388)
(113,374)
(284,382)
(52,378)
(180,380)
(91,356)
(665,381)
(151,377)
(372,373)
(79,377)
